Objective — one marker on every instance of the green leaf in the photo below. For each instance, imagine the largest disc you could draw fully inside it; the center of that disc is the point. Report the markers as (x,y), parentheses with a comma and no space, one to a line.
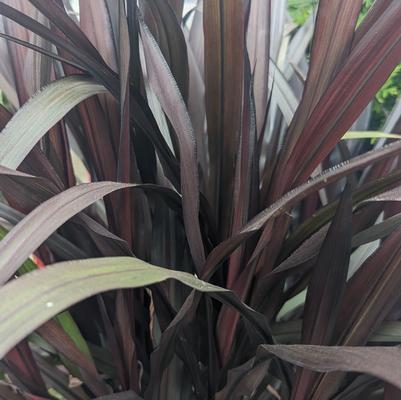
(40,113)
(370,135)
(70,327)
(389,331)
(300,10)
(34,298)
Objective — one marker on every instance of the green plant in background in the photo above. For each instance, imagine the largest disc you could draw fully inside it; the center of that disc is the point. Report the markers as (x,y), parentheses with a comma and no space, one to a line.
(300,10)
(180,217)
(367,4)
(386,97)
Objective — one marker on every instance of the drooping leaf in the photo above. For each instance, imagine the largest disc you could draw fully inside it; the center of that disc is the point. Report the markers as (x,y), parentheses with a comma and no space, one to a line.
(61,246)
(290,332)
(67,338)
(53,102)
(382,362)
(26,236)
(51,291)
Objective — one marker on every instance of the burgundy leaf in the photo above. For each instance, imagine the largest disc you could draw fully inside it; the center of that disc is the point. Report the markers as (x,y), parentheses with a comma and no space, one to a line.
(166,89)
(382,362)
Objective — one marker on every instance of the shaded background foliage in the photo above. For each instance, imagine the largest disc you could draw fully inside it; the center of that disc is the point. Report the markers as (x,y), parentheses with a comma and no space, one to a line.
(200,201)
(387,96)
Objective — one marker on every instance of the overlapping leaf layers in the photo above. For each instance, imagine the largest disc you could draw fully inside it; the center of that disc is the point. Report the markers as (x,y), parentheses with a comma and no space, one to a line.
(181,218)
